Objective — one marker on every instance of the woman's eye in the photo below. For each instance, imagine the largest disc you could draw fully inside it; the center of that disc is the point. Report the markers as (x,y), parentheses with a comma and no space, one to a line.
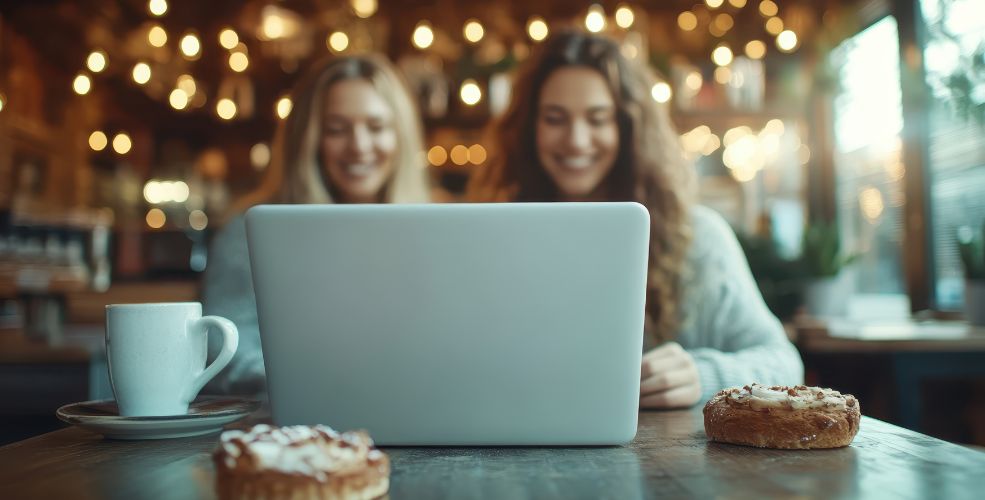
(554,120)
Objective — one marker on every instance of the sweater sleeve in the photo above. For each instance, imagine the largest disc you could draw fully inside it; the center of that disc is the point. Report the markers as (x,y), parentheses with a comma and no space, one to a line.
(735,339)
(227,291)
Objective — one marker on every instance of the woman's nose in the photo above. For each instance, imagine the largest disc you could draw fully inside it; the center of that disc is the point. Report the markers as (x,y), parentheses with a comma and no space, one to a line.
(580,136)
(361,141)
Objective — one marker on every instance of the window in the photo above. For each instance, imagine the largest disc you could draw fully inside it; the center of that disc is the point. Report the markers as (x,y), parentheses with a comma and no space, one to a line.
(954,61)
(868,118)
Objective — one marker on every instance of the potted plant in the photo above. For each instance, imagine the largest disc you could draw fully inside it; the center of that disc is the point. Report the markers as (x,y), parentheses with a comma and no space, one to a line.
(827,287)
(972,251)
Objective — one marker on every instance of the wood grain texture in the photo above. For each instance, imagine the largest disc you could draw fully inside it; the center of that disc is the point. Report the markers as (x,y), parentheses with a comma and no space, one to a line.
(669,458)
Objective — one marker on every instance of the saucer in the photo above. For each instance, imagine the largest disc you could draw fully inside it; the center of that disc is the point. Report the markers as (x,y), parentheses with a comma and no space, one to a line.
(206,415)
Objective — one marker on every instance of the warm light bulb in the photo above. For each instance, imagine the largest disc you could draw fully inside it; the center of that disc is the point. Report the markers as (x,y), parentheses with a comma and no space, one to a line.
(768,8)
(157,7)
(238,62)
(259,156)
(661,92)
(625,17)
(187,84)
(471,93)
(141,73)
(156,218)
(423,36)
(226,109)
(98,140)
(82,84)
(178,99)
(96,61)
(687,21)
(714,4)
(122,143)
(537,29)
(283,107)
(786,41)
(722,55)
(595,19)
(156,36)
(774,26)
(755,49)
(477,154)
(190,46)
(228,39)
(364,8)
(338,41)
(437,156)
(459,154)
(473,31)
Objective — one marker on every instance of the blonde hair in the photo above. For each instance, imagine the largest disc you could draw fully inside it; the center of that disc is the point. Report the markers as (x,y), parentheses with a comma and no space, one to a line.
(295,173)
(649,167)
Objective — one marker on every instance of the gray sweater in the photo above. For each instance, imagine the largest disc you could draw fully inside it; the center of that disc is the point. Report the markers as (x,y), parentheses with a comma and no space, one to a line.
(726,326)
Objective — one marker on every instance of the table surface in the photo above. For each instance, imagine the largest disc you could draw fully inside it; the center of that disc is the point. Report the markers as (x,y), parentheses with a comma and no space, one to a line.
(669,457)
(842,335)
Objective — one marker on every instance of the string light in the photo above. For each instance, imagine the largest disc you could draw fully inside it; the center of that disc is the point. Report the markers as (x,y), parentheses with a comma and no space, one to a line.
(786,41)
(238,62)
(687,21)
(661,92)
(157,7)
(364,8)
(156,218)
(96,61)
(178,99)
(470,93)
(283,107)
(98,140)
(714,4)
(473,31)
(722,55)
(755,49)
(738,4)
(423,36)
(338,41)
(228,39)
(122,143)
(3,101)
(595,19)
(537,29)
(437,156)
(459,155)
(141,73)
(156,36)
(625,17)
(768,8)
(774,26)
(187,84)
(226,109)
(82,84)
(694,81)
(190,46)
(477,154)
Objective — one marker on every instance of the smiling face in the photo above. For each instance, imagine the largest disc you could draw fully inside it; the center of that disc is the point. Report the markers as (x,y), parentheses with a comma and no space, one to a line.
(577,132)
(358,142)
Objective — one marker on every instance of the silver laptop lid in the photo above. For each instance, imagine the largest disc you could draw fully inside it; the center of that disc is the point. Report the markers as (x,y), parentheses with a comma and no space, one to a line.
(498,324)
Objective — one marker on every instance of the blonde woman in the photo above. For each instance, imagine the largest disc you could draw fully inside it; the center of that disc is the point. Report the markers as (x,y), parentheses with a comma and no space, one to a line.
(353,136)
(583,127)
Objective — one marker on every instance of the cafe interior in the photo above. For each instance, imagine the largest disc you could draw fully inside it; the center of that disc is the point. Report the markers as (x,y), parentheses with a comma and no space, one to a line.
(842,140)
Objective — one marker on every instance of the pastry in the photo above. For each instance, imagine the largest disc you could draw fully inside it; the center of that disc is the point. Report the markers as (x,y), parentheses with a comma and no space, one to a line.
(797,417)
(299,462)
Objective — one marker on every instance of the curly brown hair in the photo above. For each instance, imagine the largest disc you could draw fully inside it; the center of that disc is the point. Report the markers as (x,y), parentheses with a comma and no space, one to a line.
(650,168)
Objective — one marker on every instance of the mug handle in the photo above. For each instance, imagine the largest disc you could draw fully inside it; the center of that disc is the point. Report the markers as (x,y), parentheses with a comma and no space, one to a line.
(230,341)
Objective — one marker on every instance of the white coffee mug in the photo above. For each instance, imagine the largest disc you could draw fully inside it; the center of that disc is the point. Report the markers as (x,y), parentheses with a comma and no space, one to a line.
(157,352)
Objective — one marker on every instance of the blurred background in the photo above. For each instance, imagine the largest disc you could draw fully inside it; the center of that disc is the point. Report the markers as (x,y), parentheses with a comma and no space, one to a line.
(843,140)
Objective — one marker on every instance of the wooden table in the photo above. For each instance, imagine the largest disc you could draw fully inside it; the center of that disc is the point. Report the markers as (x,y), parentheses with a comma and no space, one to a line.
(918,351)
(669,458)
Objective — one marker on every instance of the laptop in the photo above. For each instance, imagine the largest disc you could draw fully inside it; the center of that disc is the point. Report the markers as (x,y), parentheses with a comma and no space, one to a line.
(454,324)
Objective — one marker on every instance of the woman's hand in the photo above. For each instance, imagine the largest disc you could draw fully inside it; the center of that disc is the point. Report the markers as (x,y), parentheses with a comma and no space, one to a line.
(669,378)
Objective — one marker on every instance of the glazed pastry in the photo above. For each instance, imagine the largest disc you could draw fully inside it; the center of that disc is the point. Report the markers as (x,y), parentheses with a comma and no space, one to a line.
(797,417)
(299,462)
